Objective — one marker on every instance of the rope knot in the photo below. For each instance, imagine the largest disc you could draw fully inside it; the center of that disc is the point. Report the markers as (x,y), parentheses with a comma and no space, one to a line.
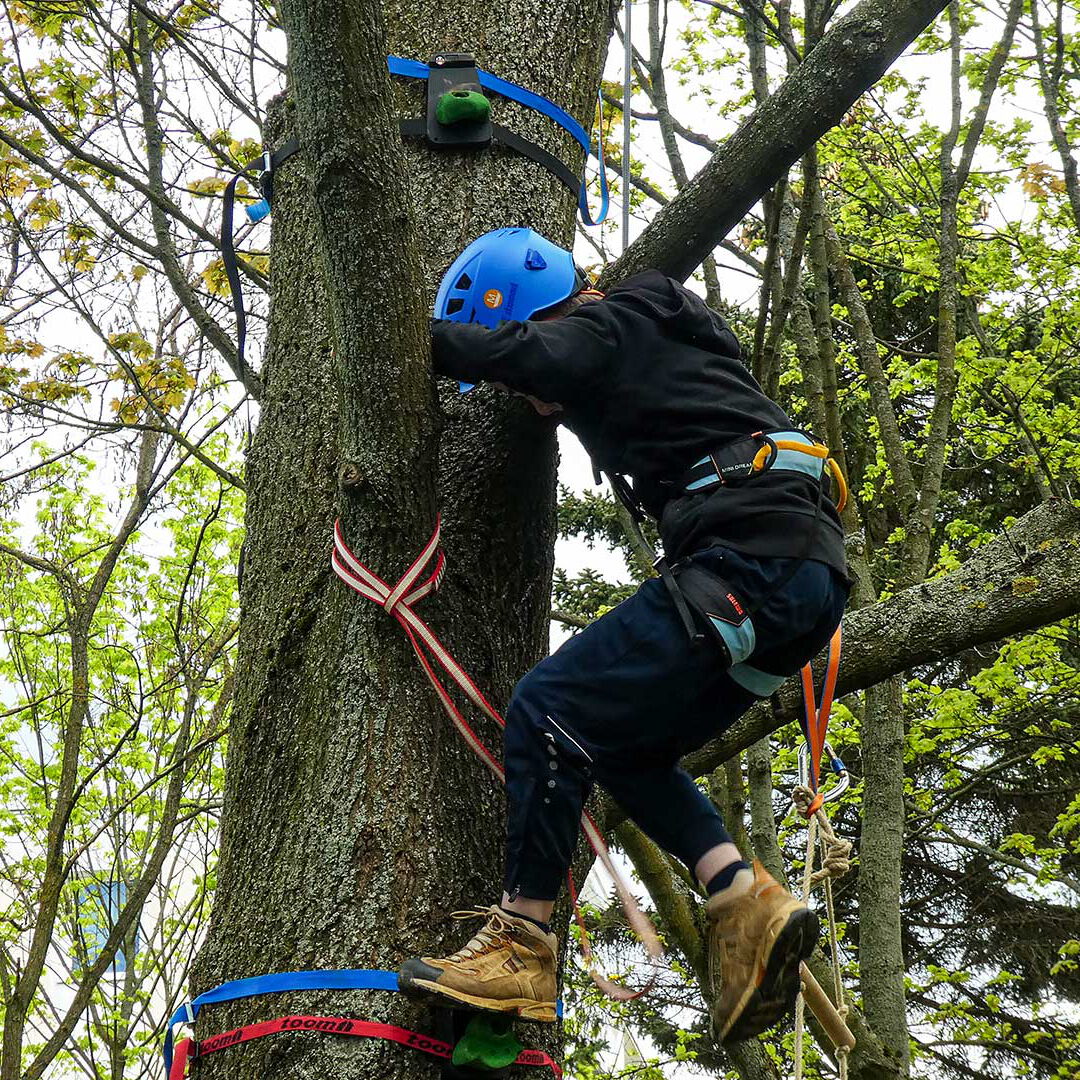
(807,801)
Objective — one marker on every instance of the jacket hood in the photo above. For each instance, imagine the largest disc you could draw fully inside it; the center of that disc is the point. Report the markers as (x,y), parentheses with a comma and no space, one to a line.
(669,302)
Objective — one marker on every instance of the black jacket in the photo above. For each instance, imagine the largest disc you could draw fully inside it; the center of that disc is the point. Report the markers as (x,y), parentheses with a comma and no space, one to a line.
(651,381)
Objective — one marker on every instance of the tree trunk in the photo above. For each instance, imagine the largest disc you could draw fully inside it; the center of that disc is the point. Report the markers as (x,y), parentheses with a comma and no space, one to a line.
(355,819)
(881,958)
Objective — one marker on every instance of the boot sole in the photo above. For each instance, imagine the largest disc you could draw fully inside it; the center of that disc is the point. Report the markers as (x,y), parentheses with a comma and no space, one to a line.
(540,1012)
(774,997)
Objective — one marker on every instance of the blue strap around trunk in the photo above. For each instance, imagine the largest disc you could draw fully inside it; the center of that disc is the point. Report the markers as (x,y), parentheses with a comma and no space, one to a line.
(256,985)
(414,69)
(346,979)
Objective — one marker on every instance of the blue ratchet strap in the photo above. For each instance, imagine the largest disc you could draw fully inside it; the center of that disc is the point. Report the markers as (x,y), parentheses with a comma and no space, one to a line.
(564,120)
(256,985)
(538,102)
(345,979)
(409,69)
(414,69)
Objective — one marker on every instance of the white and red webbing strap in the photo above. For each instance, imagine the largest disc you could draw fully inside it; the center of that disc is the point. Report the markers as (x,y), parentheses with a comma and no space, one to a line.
(398,601)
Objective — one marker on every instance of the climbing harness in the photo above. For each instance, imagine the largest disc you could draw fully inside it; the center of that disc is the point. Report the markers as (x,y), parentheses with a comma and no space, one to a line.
(740,461)
(763,452)
(810,798)
(398,602)
(477,1047)
(458,117)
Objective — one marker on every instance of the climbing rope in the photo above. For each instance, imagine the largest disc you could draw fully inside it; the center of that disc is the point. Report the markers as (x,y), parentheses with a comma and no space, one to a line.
(835,853)
(810,800)
(397,601)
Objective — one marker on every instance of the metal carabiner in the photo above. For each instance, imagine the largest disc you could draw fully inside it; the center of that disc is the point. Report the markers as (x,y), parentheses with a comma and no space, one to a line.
(836,766)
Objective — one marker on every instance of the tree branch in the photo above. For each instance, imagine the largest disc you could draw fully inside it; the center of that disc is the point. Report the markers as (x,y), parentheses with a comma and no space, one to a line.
(850,58)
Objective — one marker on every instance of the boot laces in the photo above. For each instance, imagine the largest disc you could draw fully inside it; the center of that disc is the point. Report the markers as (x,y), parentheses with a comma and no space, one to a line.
(494,934)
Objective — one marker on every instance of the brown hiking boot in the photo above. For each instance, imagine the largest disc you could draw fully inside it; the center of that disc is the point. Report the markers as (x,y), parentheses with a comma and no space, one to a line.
(508,967)
(756,945)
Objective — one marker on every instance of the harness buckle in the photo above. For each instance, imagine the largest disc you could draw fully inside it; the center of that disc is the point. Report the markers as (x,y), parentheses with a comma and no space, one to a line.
(754,455)
(738,461)
(266,176)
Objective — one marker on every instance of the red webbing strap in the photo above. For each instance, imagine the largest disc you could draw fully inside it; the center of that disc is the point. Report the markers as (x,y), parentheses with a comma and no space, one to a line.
(188,1050)
(817,715)
(398,602)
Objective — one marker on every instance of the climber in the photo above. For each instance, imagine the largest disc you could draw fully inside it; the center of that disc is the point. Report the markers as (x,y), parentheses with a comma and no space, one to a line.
(650,380)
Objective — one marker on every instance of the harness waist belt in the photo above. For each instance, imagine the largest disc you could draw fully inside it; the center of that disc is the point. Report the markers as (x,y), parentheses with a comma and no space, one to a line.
(789,451)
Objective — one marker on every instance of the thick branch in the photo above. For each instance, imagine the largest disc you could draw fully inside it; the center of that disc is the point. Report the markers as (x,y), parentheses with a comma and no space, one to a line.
(850,58)
(1026,578)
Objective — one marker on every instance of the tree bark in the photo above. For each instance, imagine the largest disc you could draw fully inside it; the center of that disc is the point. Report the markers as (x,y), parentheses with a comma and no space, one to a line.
(355,820)
(1050,74)
(881,957)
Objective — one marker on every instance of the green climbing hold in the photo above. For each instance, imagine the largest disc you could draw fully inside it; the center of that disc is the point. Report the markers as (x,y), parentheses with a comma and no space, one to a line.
(488,1043)
(462,107)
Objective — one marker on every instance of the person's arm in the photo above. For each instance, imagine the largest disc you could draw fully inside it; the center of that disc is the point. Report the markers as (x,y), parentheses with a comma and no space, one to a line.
(558,361)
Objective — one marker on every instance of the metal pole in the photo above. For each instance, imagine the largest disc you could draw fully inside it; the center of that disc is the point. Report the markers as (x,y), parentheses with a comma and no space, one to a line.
(628,67)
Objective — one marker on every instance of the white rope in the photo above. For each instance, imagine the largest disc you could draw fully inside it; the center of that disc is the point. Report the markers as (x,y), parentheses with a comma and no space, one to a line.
(835,863)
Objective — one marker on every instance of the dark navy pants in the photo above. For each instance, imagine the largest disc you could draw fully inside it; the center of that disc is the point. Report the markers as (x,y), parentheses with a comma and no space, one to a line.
(619,703)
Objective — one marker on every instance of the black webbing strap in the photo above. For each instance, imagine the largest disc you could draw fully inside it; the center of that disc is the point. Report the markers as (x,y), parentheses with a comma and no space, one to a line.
(728,464)
(525,147)
(625,494)
(269,162)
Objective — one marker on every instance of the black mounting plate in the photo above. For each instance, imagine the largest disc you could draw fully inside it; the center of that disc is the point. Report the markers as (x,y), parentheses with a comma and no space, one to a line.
(454,71)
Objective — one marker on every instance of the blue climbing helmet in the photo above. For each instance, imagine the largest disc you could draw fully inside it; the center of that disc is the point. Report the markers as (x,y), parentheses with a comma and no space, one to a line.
(507,274)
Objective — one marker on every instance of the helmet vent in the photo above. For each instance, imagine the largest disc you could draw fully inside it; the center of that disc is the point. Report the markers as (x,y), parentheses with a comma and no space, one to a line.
(455,305)
(463,282)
